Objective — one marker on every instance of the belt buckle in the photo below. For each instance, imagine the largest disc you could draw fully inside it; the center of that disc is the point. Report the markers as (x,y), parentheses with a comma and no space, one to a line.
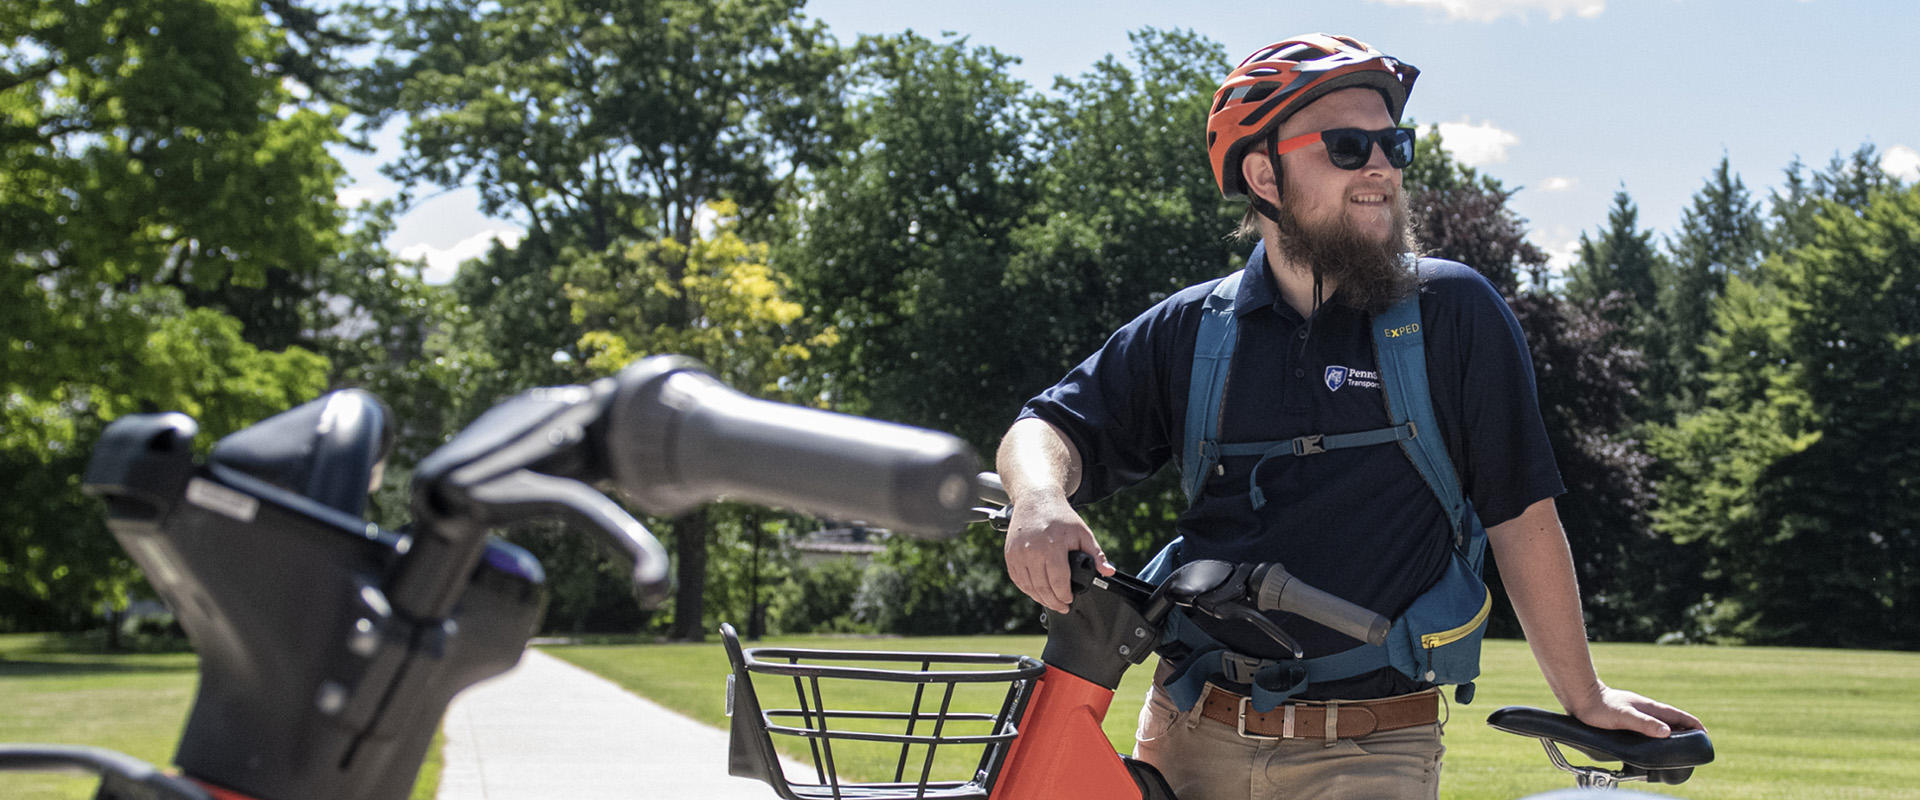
(1286,723)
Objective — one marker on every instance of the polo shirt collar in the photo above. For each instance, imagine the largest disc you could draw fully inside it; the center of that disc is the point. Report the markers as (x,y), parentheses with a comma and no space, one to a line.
(1256,287)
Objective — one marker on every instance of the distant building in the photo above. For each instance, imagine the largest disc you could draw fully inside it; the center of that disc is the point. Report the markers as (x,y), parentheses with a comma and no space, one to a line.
(857,542)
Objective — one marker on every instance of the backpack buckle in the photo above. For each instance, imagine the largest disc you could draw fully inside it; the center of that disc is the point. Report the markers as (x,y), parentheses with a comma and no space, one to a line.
(1308,445)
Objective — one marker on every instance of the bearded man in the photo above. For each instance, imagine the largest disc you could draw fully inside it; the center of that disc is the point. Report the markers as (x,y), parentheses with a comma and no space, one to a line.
(1306,130)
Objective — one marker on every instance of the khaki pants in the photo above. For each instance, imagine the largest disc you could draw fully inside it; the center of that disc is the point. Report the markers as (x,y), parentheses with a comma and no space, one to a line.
(1205,760)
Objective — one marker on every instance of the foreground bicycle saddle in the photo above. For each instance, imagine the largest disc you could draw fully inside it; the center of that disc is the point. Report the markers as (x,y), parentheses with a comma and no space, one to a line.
(1670,760)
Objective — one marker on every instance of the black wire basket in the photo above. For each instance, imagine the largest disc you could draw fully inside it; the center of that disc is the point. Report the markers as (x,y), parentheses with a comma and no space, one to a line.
(962,712)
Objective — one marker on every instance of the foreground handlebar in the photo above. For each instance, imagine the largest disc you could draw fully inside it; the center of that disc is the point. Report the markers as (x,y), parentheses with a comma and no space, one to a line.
(1281,591)
(679,437)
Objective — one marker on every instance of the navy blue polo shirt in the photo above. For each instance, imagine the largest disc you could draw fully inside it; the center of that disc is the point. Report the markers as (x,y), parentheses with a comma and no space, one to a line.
(1360,522)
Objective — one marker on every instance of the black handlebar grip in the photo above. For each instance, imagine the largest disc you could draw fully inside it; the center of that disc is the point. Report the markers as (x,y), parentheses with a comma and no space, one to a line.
(680,438)
(1280,591)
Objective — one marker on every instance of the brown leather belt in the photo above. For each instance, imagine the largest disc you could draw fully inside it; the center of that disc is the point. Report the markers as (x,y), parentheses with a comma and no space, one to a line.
(1345,719)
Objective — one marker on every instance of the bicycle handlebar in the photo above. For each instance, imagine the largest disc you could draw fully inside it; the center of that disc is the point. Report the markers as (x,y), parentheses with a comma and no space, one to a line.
(670,437)
(1279,590)
(680,438)
(1221,590)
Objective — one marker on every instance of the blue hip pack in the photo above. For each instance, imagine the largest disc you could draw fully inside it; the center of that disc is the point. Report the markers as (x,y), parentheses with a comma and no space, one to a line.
(1437,638)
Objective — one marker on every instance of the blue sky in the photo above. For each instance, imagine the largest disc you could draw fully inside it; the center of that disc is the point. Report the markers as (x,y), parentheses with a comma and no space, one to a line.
(1566,99)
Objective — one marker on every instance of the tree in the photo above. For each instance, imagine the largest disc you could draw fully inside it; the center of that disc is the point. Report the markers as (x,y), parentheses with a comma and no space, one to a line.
(1585,376)
(903,244)
(1794,474)
(1848,180)
(746,330)
(598,125)
(1721,235)
(1620,260)
(608,119)
(155,162)
(1129,216)
(1130,213)
(1462,215)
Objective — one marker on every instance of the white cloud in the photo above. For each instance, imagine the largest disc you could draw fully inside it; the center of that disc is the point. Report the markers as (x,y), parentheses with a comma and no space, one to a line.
(443,262)
(1476,145)
(1490,10)
(1901,162)
(1559,184)
(353,196)
(1561,257)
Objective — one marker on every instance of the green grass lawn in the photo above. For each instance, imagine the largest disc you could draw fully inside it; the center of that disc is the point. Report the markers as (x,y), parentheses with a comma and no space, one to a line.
(1785,722)
(56,693)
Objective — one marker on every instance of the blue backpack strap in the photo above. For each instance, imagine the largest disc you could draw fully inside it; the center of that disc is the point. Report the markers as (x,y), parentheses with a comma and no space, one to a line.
(1400,347)
(1212,359)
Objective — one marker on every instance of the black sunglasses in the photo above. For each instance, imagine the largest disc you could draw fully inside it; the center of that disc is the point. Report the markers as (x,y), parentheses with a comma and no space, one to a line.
(1352,148)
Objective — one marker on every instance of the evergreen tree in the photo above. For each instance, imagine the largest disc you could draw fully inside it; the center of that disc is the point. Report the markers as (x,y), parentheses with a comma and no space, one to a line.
(1616,277)
(1585,374)
(1620,262)
(1848,180)
(1721,235)
(1795,475)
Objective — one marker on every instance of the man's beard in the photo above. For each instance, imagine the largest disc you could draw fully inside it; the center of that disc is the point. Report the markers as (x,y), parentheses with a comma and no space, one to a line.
(1370,274)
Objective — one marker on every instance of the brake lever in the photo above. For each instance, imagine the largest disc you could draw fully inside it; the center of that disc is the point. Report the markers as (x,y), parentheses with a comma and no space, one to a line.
(1000,517)
(529,455)
(1226,601)
(1236,611)
(525,493)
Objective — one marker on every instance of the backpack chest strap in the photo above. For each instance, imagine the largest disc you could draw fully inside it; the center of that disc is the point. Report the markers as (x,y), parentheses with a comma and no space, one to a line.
(1312,444)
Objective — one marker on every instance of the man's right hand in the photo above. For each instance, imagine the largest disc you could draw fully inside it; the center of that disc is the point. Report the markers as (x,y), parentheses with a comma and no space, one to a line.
(1039,537)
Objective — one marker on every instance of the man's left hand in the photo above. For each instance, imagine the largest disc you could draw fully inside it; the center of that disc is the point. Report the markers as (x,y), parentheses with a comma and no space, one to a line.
(1620,709)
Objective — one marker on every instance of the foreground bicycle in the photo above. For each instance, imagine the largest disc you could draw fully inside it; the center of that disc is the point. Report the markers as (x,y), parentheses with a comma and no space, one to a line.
(329,647)
(1035,725)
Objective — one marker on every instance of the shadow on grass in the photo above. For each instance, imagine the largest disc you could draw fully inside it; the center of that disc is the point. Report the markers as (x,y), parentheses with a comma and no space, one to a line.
(17,667)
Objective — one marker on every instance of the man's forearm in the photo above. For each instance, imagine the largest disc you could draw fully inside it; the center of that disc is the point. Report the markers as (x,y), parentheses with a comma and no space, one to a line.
(1035,458)
(1536,567)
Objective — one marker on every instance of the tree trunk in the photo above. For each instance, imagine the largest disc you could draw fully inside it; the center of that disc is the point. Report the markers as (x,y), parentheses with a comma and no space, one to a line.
(756,616)
(690,534)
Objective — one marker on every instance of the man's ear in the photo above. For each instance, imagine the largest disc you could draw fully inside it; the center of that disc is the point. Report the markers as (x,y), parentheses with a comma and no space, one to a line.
(1256,171)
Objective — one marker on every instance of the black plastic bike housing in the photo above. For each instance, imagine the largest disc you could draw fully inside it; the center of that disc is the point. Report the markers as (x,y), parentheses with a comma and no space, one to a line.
(1103,632)
(311,685)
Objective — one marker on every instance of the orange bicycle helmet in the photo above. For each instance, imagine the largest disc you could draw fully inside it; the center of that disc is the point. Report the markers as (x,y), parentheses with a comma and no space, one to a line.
(1279,80)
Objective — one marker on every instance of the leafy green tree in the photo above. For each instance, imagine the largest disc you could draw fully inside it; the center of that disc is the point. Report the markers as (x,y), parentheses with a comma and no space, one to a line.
(1721,234)
(608,119)
(904,242)
(819,598)
(745,328)
(1130,214)
(1794,474)
(158,170)
(598,125)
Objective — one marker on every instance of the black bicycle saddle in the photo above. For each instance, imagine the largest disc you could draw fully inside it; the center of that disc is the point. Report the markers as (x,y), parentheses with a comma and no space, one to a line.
(1670,760)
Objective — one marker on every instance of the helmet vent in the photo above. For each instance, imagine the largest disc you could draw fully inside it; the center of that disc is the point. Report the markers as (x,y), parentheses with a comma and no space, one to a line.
(1300,52)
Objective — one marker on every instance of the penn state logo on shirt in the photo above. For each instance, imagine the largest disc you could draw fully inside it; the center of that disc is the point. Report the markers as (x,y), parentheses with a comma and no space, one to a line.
(1338,376)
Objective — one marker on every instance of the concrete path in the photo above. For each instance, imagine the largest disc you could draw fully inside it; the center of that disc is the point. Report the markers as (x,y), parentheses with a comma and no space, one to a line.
(549,730)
